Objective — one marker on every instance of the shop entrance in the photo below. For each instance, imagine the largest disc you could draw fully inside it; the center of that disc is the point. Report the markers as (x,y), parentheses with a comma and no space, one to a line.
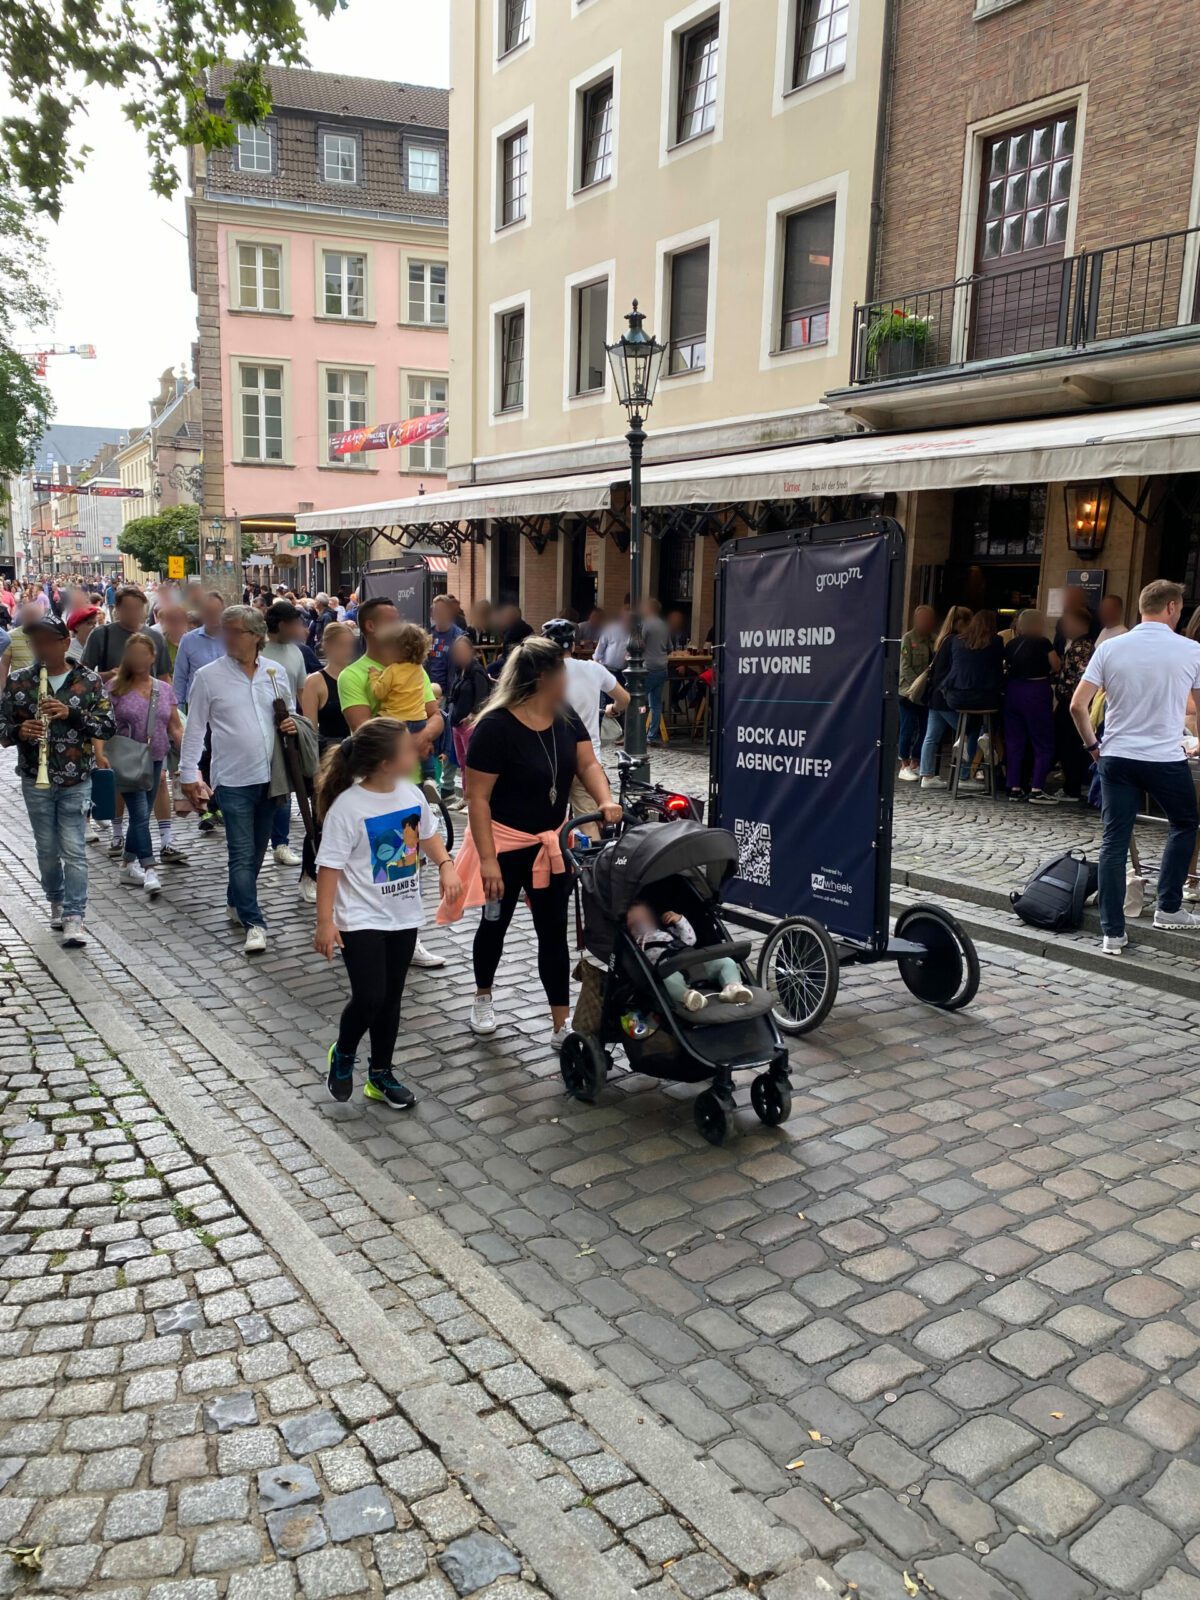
(1179,549)
(995,550)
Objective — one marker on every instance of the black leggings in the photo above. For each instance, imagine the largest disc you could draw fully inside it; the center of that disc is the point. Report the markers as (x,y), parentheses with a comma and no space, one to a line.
(549,907)
(377,964)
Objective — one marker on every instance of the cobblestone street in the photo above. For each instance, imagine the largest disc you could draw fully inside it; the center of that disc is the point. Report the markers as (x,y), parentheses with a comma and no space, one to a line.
(937,1334)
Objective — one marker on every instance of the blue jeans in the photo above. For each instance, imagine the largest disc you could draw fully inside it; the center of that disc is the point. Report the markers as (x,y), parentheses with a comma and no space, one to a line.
(56,816)
(249,813)
(281,822)
(938,722)
(654,695)
(429,762)
(139,807)
(912,729)
(1122,784)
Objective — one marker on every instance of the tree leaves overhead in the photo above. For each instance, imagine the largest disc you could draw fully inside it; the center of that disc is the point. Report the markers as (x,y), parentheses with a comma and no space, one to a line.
(156,52)
(25,301)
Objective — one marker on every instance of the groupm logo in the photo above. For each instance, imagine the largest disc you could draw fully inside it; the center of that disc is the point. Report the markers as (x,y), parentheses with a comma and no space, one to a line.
(838,580)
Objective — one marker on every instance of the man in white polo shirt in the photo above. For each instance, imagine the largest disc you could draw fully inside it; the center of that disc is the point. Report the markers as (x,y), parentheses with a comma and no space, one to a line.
(1148,675)
(587,682)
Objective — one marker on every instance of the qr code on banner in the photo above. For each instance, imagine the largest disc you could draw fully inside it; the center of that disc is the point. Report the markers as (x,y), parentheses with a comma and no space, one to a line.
(754,851)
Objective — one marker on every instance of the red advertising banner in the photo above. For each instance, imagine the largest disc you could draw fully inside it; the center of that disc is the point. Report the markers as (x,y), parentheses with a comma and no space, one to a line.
(389,435)
(111,491)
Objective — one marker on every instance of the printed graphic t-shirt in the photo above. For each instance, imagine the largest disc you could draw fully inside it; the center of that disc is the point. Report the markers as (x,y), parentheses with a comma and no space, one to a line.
(373,841)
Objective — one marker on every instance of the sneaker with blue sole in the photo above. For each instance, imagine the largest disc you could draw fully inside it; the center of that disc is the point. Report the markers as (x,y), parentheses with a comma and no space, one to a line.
(340,1081)
(386,1086)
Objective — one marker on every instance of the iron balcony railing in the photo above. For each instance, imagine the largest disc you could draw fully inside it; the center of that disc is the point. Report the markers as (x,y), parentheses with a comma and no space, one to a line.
(1148,286)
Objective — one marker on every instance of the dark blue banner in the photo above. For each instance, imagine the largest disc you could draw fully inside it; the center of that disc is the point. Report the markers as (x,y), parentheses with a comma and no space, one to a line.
(801,691)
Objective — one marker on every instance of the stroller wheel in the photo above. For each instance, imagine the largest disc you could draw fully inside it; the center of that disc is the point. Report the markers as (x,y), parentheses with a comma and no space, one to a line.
(712,1116)
(771,1099)
(583,1066)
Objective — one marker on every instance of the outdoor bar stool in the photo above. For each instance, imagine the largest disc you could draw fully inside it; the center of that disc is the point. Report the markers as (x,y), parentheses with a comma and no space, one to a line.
(958,751)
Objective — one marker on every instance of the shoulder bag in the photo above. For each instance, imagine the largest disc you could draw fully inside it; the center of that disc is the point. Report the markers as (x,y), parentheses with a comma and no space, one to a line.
(130,759)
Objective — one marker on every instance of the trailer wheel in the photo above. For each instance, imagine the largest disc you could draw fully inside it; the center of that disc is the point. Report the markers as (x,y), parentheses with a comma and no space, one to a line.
(947,975)
(798,965)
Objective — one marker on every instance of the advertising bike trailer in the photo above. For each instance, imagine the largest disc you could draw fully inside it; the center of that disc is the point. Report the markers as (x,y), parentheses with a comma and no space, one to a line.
(804,749)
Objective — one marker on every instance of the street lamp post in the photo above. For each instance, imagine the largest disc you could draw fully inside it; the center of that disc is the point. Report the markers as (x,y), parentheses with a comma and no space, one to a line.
(636,360)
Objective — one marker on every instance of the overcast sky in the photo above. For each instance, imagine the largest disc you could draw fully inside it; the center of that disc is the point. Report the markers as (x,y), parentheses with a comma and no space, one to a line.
(119,256)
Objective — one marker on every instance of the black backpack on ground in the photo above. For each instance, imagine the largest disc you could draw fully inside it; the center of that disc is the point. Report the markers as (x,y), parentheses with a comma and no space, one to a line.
(1054,897)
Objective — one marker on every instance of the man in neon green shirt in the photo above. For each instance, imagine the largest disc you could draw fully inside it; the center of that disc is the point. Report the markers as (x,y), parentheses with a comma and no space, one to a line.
(359,705)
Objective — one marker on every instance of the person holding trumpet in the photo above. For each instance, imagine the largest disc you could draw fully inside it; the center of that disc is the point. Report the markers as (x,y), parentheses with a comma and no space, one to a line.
(54,710)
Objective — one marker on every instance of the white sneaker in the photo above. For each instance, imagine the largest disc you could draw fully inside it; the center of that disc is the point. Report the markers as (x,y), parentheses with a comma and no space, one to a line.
(431,792)
(74,933)
(132,875)
(455,802)
(426,958)
(483,1016)
(1038,797)
(559,1036)
(256,941)
(909,775)
(286,856)
(1176,919)
(56,916)
(151,882)
(933,783)
(91,831)
(308,891)
(736,994)
(1191,890)
(693,1000)
(1114,943)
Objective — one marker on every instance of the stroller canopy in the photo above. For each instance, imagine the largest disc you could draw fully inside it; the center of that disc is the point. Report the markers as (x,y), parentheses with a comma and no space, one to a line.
(656,850)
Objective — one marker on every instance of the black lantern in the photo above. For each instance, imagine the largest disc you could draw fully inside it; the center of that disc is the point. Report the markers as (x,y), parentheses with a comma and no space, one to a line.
(636,360)
(1088,508)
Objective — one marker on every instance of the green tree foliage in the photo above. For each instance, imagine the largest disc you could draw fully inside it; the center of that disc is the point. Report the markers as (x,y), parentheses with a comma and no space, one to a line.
(25,301)
(173,532)
(52,51)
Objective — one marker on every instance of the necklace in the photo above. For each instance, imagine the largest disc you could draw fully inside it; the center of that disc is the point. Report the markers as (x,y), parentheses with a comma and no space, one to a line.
(551,761)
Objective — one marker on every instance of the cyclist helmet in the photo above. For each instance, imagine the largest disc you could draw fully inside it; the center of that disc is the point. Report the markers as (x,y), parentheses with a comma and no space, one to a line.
(561,630)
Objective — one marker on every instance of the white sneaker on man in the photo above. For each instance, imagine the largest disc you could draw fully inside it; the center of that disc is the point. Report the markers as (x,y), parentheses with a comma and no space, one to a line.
(308,891)
(131,875)
(933,783)
(1114,943)
(1176,919)
(286,856)
(74,933)
(91,831)
(1191,890)
(909,775)
(483,1016)
(256,941)
(426,958)
(151,882)
(231,913)
(56,916)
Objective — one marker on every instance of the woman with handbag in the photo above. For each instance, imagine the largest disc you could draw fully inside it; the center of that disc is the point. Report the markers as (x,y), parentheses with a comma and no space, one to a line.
(916,658)
(148,723)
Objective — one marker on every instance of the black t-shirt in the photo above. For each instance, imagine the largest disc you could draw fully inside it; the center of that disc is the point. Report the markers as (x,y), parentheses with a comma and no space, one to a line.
(106,645)
(524,762)
(1028,658)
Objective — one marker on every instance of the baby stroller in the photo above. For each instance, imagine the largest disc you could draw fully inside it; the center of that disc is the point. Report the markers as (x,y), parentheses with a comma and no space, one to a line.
(674,866)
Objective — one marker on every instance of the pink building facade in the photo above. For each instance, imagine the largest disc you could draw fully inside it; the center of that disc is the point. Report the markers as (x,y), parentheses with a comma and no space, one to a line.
(319,251)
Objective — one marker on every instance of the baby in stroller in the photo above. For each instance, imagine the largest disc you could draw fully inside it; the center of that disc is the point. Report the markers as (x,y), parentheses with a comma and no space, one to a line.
(658,937)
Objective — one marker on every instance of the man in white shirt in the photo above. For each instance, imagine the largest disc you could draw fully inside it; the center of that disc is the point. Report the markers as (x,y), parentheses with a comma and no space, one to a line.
(233,700)
(587,681)
(1149,675)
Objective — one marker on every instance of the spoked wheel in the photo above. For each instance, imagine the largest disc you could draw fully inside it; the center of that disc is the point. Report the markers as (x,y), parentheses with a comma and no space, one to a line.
(712,1114)
(445,824)
(584,1066)
(771,1098)
(799,966)
(947,975)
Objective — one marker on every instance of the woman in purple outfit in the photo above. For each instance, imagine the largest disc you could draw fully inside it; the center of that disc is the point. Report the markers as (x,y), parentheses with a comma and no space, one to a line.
(1030,663)
(145,709)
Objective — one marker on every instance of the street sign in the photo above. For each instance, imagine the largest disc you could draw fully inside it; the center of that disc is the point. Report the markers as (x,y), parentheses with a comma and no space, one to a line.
(176,567)
(301,541)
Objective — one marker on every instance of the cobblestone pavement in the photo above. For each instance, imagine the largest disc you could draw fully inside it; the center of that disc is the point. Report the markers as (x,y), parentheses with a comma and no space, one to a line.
(943,1323)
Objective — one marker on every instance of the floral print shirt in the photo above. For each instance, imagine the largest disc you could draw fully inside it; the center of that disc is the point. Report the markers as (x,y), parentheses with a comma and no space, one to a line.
(70,748)
(1075,657)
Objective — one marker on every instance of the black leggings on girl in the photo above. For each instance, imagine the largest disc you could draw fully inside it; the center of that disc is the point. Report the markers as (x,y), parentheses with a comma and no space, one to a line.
(549,907)
(377,964)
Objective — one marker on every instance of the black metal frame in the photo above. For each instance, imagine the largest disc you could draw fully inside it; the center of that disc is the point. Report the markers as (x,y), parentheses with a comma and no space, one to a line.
(883,946)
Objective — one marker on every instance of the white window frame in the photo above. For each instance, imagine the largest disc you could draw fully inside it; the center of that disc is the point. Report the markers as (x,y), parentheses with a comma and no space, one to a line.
(669,149)
(786,96)
(516,302)
(977,135)
(344,247)
(355,141)
(408,470)
(356,463)
(501,57)
(577,92)
(501,229)
(235,243)
(415,258)
(836,188)
(259,130)
(602,271)
(424,147)
(664,251)
(236,363)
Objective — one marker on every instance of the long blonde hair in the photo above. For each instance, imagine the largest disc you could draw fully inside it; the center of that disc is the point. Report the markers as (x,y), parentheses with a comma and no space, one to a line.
(124,676)
(521,675)
(956,620)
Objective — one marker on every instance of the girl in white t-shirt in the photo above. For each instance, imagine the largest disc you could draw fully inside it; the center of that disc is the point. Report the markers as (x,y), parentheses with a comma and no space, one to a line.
(375,823)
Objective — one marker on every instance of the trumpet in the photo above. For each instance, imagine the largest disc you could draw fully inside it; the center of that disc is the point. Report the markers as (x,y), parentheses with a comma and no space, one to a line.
(43,772)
